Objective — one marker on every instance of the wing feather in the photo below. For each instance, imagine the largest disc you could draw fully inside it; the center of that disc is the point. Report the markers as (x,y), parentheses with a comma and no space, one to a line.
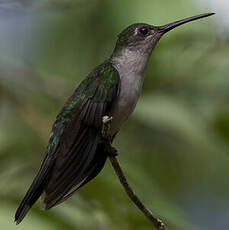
(74,154)
(74,175)
(99,162)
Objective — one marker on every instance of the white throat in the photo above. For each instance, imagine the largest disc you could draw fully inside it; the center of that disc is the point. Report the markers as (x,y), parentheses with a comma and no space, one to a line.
(132,61)
(130,65)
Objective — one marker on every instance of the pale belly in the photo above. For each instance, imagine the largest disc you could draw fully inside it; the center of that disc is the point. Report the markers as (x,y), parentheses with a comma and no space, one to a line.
(124,104)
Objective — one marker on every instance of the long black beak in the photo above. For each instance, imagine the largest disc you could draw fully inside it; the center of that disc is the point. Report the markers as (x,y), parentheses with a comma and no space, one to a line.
(164,29)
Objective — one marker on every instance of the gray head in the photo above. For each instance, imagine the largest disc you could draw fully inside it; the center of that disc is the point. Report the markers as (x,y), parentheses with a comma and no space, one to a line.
(138,40)
(141,37)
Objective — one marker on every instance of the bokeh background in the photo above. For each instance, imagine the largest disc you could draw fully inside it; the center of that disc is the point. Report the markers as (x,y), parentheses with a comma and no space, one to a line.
(174,149)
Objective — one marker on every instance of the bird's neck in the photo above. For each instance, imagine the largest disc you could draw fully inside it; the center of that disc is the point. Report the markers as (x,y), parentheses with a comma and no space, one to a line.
(130,61)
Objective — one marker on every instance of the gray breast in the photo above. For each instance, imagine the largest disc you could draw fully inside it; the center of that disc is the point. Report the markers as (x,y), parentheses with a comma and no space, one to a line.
(131,66)
(124,104)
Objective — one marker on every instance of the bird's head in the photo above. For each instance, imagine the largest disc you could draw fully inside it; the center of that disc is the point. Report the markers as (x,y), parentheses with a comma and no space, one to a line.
(139,39)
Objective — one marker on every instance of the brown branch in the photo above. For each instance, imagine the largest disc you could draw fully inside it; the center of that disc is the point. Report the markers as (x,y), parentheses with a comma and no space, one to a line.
(112,153)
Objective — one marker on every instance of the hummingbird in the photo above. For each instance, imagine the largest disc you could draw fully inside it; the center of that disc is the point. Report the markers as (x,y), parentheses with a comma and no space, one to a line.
(75,153)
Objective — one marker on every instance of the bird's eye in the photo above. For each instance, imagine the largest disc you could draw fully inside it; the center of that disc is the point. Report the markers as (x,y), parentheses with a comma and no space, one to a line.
(144,30)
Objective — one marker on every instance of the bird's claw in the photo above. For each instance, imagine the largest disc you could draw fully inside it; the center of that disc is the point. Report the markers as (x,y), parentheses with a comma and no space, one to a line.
(112,151)
(107,119)
(106,133)
(106,128)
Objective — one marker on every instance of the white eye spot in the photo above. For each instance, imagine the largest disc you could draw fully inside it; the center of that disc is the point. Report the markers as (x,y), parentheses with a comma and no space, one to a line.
(136,31)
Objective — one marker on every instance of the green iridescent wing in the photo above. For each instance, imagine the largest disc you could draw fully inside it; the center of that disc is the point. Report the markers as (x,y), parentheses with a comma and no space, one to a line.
(95,93)
(75,153)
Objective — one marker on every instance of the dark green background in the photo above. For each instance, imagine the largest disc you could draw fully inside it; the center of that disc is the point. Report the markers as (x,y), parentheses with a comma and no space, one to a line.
(174,149)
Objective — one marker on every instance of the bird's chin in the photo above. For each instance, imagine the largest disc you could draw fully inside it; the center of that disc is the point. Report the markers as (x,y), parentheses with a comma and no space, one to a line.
(153,42)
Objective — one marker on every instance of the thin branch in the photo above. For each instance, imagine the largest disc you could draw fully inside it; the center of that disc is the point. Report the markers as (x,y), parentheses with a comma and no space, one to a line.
(112,153)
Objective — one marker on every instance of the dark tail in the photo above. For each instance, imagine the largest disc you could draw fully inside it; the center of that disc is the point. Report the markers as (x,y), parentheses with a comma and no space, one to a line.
(34,191)
(81,165)
(96,166)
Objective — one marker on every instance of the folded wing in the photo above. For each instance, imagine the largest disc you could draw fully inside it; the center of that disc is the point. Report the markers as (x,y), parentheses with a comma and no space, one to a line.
(75,152)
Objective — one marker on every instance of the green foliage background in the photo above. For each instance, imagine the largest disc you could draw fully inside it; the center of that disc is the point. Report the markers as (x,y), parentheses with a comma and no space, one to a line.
(174,149)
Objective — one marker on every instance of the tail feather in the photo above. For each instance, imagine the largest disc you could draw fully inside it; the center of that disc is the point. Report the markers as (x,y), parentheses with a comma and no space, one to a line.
(59,183)
(30,198)
(34,191)
(20,214)
(96,166)
(75,174)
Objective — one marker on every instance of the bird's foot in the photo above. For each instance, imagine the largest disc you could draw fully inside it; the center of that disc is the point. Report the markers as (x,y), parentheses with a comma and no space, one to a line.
(106,133)
(111,151)
(106,128)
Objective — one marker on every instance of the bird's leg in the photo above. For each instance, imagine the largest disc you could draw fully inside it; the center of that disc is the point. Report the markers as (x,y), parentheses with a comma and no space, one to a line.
(106,134)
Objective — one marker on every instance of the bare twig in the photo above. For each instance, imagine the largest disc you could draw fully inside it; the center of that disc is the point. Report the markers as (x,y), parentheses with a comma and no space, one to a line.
(112,153)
